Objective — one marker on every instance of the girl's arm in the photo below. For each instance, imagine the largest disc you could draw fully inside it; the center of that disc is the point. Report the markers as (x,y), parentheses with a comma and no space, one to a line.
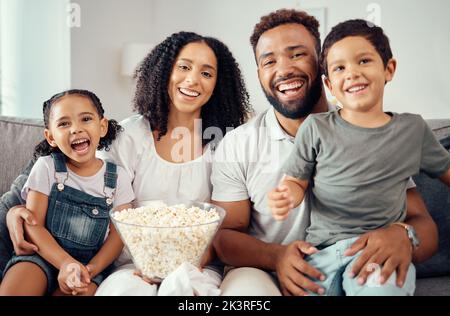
(110,250)
(48,248)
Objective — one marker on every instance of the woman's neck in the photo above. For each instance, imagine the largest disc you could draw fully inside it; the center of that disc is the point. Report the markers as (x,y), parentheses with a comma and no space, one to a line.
(177,119)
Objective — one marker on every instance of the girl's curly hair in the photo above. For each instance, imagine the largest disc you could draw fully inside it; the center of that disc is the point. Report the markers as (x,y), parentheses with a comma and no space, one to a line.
(228,106)
(44,148)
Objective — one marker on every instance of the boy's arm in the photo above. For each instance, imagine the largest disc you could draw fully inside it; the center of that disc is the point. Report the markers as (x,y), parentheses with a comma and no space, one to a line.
(286,196)
(49,249)
(110,250)
(297,187)
(446,177)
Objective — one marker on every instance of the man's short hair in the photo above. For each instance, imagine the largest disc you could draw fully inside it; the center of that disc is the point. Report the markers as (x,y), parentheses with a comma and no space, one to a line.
(374,34)
(285,16)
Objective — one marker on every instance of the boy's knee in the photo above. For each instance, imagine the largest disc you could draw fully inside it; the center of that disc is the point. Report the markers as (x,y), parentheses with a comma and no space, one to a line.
(373,288)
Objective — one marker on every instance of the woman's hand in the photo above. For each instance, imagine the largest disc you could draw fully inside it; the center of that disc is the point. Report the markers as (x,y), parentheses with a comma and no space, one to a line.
(389,248)
(15,219)
(73,278)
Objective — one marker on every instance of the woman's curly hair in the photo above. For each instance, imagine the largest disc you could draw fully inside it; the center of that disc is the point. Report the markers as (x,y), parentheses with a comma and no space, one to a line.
(228,106)
(44,148)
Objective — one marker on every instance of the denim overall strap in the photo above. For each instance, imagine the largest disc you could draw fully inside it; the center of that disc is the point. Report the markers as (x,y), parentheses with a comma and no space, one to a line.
(60,162)
(111,175)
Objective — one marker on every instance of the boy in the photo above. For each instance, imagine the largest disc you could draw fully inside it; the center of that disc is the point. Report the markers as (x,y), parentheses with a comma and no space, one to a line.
(355,155)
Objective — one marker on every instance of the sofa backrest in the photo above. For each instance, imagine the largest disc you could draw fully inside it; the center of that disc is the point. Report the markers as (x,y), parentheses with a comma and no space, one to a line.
(18,137)
(436,196)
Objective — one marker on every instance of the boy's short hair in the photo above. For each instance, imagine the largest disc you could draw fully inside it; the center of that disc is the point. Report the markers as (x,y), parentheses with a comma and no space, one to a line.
(358,27)
(286,16)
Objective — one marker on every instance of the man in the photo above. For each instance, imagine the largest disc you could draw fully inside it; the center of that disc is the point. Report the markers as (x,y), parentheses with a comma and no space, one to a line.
(267,255)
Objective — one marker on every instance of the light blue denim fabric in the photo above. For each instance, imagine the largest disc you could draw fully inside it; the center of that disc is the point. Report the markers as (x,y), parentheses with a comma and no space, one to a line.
(332,262)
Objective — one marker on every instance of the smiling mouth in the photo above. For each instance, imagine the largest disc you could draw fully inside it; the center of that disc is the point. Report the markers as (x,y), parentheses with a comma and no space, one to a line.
(189,92)
(80,145)
(290,88)
(356,88)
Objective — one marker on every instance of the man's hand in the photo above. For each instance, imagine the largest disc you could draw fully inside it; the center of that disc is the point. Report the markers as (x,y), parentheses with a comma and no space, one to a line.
(292,270)
(388,247)
(15,219)
(280,202)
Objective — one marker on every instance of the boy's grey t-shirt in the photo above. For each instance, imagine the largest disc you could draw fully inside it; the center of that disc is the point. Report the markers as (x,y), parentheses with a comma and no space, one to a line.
(358,175)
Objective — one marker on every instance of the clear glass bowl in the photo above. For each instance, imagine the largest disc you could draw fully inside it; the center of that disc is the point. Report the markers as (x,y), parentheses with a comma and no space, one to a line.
(157,251)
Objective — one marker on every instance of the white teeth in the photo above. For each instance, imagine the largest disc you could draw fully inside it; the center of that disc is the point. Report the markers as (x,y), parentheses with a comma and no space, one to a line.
(289,86)
(79,141)
(356,88)
(189,92)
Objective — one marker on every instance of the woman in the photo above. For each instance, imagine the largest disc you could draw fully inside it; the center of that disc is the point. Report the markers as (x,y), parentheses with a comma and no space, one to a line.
(188,86)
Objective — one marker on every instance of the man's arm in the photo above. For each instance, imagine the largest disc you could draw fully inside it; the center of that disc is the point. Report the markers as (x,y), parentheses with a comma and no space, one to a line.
(16,214)
(419,217)
(446,178)
(237,248)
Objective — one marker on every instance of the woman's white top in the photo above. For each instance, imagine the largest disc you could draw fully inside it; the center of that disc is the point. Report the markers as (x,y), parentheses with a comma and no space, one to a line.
(153,178)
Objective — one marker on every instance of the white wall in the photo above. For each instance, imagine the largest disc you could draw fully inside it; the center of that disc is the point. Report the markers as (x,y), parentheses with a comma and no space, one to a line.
(106,25)
(417,30)
(35,53)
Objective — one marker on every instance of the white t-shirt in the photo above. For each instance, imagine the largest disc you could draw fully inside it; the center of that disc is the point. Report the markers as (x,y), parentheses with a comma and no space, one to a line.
(247,165)
(42,178)
(153,178)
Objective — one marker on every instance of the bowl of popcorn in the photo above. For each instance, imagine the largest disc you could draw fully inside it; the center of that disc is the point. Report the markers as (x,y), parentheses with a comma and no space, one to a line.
(160,238)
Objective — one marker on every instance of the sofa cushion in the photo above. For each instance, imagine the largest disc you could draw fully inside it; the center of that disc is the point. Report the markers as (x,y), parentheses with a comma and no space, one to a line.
(437,198)
(19,137)
(433,286)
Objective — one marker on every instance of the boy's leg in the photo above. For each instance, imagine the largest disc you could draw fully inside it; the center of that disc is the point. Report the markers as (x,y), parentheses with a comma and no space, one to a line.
(24,278)
(331,262)
(372,287)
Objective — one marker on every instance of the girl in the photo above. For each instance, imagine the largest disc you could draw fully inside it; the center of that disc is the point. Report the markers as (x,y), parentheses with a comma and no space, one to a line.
(70,192)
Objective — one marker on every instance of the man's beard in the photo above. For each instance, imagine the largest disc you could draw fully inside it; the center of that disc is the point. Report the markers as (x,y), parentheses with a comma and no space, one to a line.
(298,108)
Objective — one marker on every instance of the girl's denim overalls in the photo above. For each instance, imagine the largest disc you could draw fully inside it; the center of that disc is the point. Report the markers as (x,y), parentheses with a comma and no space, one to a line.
(78,221)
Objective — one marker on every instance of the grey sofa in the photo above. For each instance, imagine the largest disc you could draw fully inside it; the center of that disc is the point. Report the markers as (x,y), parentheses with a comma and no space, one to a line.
(19,136)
